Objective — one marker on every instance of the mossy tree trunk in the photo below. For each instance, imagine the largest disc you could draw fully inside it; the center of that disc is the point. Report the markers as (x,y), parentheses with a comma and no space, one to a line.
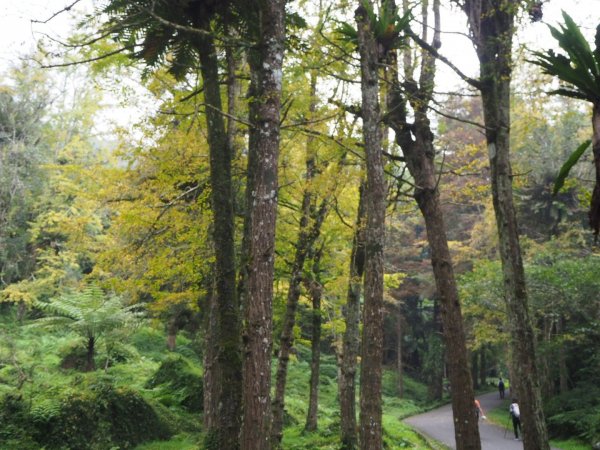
(594,214)
(315,289)
(211,375)
(371,436)
(416,142)
(311,221)
(227,330)
(399,337)
(261,194)
(483,364)
(475,368)
(492,27)
(351,339)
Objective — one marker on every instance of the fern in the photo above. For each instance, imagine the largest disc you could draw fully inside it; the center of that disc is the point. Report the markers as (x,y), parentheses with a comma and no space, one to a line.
(91,314)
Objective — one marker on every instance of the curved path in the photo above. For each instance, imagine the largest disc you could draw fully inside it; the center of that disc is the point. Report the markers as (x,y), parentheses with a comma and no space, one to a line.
(437,424)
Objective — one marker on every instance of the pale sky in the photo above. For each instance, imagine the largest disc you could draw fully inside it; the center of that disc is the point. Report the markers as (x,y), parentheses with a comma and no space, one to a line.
(18,35)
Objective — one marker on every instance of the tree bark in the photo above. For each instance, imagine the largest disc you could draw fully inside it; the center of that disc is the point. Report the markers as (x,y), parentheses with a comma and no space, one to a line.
(475,368)
(226,433)
(594,214)
(416,141)
(90,364)
(172,330)
(492,27)
(310,229)
(316,292)
(266,63)
(351,311)
(436,353)
(563,371)
(482,365)
(211,367)
(399,365)
(371,437)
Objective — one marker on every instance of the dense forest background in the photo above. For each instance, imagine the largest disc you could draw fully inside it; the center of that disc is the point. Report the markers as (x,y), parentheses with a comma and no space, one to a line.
(200,273)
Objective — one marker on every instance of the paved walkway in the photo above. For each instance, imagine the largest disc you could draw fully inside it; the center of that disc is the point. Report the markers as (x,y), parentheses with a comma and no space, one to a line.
(437,424)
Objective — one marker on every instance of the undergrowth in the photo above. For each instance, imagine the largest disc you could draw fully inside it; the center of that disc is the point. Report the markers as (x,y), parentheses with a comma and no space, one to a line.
(141,394)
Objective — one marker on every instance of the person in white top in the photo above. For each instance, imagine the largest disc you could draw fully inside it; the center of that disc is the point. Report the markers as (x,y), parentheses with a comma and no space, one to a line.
(515,413)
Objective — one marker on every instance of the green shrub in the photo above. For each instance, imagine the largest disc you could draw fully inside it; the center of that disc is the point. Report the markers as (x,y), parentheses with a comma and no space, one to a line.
(150,342)
(179,384)
(100,418)
(575,413)
(15,432)
(73,356)
(329,370)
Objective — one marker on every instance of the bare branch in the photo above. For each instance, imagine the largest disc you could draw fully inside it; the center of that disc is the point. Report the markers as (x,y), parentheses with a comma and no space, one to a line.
(458,119)
(473,82)
(85,61)
(65,9)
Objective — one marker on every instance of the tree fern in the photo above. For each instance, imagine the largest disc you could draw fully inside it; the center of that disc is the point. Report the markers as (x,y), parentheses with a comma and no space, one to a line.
(90,313)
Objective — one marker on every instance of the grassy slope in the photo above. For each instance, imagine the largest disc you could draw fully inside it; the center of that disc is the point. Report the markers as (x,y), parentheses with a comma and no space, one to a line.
(39,354)
(397,435)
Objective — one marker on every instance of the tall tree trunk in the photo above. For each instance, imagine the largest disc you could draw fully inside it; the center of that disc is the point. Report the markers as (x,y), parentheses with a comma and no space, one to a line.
(436,354)
(211,367)
(310,228)
(261,193)
(90,364)
(316,291)
(371,437)
(475,368)
(416,141)
(594,214)
(399,337)
(482,365)
(492,27)
(226,433)
(351,311)
(172,330)
(234,93)
(563,372)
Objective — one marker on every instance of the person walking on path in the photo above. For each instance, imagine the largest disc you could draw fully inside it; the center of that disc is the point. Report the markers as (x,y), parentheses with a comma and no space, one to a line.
(515,414)
(479,410)
(501,388)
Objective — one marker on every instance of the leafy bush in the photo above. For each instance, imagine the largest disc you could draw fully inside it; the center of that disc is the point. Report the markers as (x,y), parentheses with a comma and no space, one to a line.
(73,357)
(100,418)
(15,432)
(575,413)
(179,383)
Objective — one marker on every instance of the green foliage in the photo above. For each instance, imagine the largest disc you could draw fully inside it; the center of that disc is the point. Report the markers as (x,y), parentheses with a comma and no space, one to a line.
(568,165)
(15,432)
(579,69)
(91,314)
(180,384)
(576,413)
(100,417)
(178,442)
(388,26)
(23,104)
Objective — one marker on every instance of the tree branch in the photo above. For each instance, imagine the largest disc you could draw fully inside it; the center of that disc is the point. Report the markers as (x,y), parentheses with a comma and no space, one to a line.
(473,82)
